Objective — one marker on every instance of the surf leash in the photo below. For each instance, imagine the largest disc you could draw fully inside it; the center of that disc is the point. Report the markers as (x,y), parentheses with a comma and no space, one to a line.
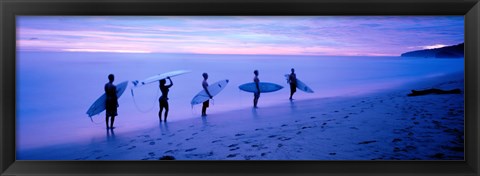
(138,108)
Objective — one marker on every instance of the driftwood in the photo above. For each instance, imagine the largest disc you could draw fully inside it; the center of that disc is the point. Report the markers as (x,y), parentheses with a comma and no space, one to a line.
(434,91)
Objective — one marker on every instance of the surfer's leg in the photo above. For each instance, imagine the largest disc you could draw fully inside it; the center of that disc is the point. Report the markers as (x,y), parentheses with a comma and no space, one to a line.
(166,111)
(106,120)
(111,122)
(161,110)
(255,99)
(204,110)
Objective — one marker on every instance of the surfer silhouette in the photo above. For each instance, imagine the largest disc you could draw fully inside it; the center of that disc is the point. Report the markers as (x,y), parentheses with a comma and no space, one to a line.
(112,101)
(256,94)
(205,87)
(292,80)
(163,100)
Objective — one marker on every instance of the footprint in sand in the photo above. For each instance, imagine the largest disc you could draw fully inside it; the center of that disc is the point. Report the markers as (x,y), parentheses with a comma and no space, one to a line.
(171,135)
(215,141)
(332,153)
(284,125)
(159,139)
(272,136)
(312,117)
(258,129)
(132,147)
(236,148)
(305,127)
(152,143)
(190,138)
(194,134)
(232,155)
(189,150)
(170,151)
(239,134)
(299,132)
(284,138)
(280,145)
(264,154)
(233,145)
(151,154)
(249,157)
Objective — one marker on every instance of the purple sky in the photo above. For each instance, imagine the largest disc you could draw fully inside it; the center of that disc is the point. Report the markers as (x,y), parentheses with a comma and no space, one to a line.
(303,35)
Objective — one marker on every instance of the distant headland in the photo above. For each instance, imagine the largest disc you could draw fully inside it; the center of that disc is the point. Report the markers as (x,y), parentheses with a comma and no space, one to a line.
(454,51)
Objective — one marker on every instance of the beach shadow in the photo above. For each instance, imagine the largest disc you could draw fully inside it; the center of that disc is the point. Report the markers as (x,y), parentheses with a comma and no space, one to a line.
(163,127)
(255,113)
(110,135)
(292,105)
(204,121)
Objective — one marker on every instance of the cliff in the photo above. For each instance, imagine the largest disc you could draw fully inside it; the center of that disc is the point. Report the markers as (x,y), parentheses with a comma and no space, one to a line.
(454,51)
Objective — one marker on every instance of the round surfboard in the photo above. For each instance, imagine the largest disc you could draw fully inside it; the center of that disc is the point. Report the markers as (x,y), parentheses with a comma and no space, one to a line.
(265,87)
(99,105)
(213,89)
(300,85)
(154,78)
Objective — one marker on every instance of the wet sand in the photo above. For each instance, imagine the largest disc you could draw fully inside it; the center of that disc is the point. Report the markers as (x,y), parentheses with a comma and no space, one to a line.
(385,125)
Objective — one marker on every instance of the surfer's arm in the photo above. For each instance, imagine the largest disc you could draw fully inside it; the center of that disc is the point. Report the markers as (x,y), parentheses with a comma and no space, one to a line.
(206,90)
(171,83)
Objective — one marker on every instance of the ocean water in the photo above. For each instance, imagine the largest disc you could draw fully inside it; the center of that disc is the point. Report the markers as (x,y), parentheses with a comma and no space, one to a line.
(54,90)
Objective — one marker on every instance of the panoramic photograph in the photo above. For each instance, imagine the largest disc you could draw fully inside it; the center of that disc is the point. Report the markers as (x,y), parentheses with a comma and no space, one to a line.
(240,88)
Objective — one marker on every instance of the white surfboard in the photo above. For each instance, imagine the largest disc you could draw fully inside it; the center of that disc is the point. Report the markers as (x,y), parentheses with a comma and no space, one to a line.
(265,87)
(214,89)
(300,85)
(151,79)
(99,105)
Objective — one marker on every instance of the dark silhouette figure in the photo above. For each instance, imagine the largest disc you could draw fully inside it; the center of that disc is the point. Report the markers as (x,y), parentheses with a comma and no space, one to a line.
(163,100)
(292,80)
(205,87)
(256,94)
(112,101)
(434,91)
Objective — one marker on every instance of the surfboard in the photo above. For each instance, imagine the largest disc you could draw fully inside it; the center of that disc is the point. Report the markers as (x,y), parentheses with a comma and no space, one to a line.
(265,87)
(154,78)
(99,105)
(301,85)
(214,89)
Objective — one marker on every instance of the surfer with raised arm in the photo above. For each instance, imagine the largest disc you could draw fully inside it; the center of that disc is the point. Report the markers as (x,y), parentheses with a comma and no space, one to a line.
(112,101)
(292,80)
(163,100)
(205,87)
(256,94)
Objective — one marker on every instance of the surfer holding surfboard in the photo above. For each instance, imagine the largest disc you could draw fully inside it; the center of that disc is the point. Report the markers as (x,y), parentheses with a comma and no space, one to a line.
(163,100)
(256,94)
(205,87)
(292,80)
(112,101)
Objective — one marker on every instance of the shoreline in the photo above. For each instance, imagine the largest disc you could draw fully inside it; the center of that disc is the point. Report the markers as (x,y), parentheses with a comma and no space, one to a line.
(385,125)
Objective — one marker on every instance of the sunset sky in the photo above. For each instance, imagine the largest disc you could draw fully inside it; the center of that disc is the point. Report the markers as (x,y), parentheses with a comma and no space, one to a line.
(302,35)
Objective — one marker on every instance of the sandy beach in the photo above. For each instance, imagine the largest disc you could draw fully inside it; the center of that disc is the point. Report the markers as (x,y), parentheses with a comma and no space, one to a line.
(382,125)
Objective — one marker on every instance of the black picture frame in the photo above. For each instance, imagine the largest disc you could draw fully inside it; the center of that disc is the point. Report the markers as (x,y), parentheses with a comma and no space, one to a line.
(10,8)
